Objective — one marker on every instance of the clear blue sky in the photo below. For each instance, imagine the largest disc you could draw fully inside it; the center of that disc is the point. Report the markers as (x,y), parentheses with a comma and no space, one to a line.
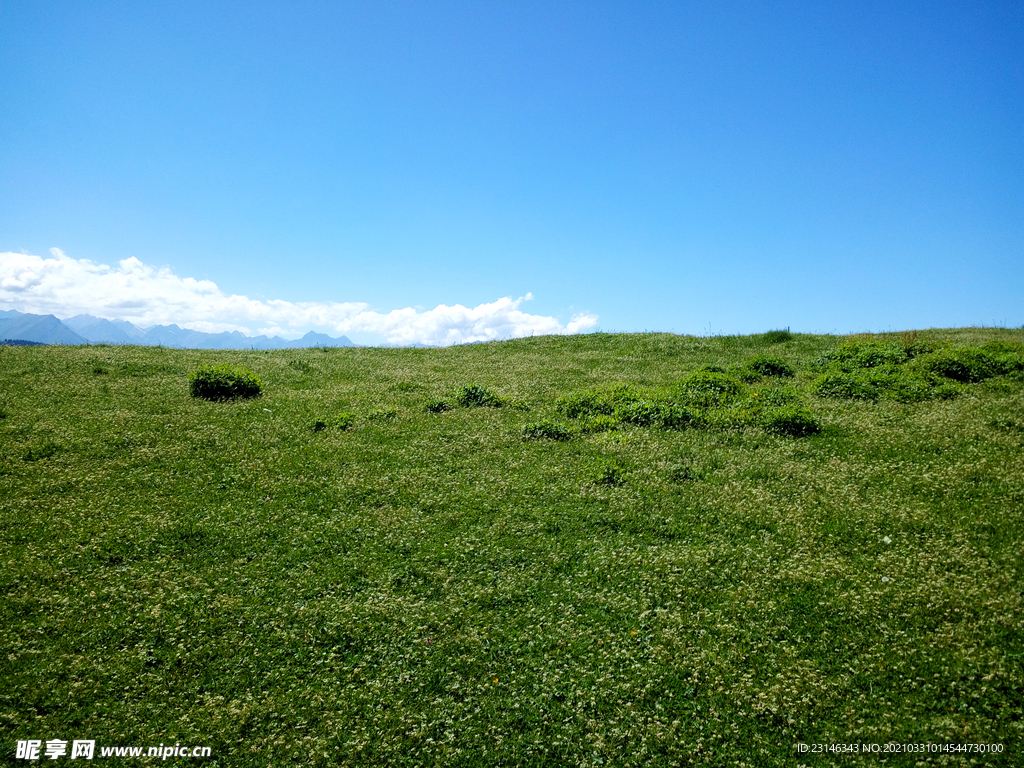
(691,167)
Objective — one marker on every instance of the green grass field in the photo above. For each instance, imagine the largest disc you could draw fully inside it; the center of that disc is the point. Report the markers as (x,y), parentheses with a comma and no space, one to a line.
(617,550)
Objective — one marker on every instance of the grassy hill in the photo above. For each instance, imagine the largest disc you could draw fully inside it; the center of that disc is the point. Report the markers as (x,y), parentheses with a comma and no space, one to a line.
(586,550)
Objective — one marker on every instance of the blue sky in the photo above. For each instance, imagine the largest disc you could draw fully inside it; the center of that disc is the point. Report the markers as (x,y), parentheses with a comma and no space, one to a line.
(724,167)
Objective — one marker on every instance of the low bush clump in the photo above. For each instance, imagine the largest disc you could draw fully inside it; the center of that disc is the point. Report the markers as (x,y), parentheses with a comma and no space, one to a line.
(844,386)
(224,382)
(966,365)
(707,388)
(595,402)
(476,396)
(889,382)
(382,414)
(790,420)
(438,406)
(765,365)
(912,372)
(777,337)
(646,413)
(852,355)
(547,430)
(43,450)
(643,413)
(905,386)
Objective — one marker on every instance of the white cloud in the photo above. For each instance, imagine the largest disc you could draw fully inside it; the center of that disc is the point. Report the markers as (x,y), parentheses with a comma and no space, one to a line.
(147,296)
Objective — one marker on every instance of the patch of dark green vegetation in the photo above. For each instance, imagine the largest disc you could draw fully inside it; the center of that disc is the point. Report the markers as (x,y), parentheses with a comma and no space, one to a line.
(761,366)
(221,382)
(914,372)
(708,398)
(41,450)
(547,429)
(476,396)
(777,337)
(691,551)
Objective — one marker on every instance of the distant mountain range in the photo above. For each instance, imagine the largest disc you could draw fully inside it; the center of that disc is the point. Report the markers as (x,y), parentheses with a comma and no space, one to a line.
(86,329)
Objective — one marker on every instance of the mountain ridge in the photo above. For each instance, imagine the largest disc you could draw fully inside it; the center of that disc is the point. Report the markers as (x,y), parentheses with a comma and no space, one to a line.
(87,329)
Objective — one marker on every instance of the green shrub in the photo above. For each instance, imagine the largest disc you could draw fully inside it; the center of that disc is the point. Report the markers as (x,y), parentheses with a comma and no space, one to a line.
(224,382)
(1009,356)
(645,413)
(918,348)
(966,365)
(707,389)
(845,386)
(790,420)
(547,430)
(476,396)
(766,365)
(777,337)
(39,451)
(900,383)
(382,414)
(319,425)
(438,406)
(678,417)
(907,386)
(595,402)
(852,355)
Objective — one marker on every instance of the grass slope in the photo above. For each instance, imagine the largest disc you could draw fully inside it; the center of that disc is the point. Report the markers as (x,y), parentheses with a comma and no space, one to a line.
(332,574)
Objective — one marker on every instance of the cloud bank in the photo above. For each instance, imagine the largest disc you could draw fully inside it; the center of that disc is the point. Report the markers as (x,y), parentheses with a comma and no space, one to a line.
(148,296)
